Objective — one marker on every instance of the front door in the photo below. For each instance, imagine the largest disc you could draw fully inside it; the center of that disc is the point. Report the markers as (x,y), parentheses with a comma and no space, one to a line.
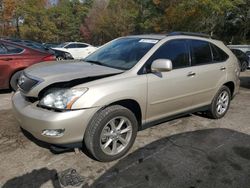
(170,92)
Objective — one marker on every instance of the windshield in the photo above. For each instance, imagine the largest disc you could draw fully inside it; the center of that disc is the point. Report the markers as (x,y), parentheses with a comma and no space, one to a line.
(122,53)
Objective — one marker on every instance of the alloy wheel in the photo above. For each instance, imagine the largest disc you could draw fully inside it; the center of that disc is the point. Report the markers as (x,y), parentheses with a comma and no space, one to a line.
(116,135)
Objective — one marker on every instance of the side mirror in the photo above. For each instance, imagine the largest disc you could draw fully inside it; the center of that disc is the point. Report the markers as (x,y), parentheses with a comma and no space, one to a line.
(161,65)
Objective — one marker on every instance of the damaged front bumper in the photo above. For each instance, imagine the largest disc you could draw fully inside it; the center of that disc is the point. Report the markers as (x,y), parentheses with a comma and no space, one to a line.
(38,121)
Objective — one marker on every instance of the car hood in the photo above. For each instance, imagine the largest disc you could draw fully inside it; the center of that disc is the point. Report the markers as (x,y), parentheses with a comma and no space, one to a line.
(48,73)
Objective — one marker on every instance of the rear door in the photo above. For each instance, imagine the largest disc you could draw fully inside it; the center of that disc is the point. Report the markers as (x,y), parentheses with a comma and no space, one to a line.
(209,68)
(83,50)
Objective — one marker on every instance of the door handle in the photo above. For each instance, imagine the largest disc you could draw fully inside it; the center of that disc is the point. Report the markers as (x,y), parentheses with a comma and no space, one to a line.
(191,74)
(223,68)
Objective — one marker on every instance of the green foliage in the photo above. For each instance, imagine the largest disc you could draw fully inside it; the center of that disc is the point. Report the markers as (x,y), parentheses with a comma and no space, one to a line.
(98,21)
(46,23)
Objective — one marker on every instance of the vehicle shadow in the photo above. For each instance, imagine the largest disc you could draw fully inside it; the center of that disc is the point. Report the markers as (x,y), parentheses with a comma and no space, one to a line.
(205,158)
(245,82)
(5,91)
(35,179)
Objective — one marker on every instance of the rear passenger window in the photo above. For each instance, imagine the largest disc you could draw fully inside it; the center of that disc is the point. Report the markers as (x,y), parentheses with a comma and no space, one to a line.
(71,46)
(218,54)
(13,49)
(176,51)
(3,50)
(200,52)
(82,45)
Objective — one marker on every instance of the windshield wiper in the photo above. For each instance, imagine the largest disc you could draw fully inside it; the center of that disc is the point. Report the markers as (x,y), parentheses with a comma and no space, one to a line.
(94,62)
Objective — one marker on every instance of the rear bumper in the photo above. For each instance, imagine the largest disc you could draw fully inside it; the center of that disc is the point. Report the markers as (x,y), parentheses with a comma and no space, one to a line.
(34,120)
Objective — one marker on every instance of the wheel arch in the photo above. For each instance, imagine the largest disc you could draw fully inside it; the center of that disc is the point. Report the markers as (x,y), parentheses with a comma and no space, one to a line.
(231,87)
(133,106)
(14,72)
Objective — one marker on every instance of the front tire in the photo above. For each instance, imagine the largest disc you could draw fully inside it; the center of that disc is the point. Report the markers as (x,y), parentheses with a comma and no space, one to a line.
(60,58)
(111,133)
(220,103)
(14,79)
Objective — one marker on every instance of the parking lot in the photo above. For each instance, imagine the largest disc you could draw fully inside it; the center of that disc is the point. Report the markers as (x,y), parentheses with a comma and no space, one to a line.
(192,151)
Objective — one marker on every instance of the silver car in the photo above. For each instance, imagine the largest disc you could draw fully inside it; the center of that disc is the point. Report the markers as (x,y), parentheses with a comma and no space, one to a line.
(127,84)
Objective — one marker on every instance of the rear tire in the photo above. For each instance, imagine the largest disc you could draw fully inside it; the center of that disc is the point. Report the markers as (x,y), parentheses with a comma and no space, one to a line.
(14,80)
(244,66)
(220,103)
(111,133)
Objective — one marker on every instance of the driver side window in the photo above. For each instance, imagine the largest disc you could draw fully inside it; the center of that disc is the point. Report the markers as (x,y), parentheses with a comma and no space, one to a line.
(174,50)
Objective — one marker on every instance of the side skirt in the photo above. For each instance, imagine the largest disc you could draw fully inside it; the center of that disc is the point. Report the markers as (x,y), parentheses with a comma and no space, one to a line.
(168,118)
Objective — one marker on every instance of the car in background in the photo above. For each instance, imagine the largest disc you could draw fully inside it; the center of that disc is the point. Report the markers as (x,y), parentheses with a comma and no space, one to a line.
(243,59)
(15,57)
(46,47)
(243,48)
(77,50)
(31,44)
(248,54)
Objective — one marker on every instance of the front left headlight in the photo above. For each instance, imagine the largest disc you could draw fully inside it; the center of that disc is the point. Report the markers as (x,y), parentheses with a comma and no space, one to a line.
(62,98)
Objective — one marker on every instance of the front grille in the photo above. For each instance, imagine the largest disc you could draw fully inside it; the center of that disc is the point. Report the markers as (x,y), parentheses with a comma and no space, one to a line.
(26,83)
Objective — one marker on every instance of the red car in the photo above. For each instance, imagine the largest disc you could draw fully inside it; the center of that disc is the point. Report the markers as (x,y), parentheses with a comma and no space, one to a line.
(14,58)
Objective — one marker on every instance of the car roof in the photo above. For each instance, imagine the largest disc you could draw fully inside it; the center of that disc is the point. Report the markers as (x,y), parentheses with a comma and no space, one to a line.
(21,45)
(149,36)
(173,34)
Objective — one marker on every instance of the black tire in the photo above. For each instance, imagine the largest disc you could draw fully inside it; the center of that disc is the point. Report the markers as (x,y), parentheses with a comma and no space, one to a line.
(59,58)
(213,112)
(92,137)
(244,66)
(14,79)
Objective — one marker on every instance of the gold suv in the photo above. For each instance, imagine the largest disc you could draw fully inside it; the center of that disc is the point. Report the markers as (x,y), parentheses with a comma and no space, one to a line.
(127,84)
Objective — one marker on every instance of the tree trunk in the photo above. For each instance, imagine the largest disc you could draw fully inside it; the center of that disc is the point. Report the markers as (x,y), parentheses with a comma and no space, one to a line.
(17,28)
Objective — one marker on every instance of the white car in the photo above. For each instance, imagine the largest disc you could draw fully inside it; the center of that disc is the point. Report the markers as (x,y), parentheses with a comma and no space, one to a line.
(77,50)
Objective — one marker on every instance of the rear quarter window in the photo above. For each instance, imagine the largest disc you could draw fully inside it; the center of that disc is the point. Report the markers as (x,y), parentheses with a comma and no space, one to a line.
(218,54)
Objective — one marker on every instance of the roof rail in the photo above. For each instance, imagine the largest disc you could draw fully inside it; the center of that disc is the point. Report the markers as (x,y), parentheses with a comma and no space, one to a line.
(189,34)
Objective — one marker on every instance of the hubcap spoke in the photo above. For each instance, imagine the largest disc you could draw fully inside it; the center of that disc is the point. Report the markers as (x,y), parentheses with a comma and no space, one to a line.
(112,124)
(125,130)
(108,134)
(122,140)
(107,143)
(114,147)
(120,124)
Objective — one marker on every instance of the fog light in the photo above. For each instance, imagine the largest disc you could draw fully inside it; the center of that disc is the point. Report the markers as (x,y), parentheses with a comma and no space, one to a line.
(53,132)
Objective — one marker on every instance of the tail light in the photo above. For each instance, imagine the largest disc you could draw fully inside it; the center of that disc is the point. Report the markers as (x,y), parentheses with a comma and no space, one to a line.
(49,58)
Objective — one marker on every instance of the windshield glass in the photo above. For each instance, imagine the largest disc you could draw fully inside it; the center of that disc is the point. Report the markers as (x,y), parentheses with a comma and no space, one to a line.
(122,53)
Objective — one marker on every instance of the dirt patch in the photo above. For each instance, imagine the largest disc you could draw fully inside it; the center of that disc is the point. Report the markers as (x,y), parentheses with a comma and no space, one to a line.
(11,137)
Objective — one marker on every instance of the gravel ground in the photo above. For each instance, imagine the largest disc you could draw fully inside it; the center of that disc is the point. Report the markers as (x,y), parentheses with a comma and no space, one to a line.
(191,151)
